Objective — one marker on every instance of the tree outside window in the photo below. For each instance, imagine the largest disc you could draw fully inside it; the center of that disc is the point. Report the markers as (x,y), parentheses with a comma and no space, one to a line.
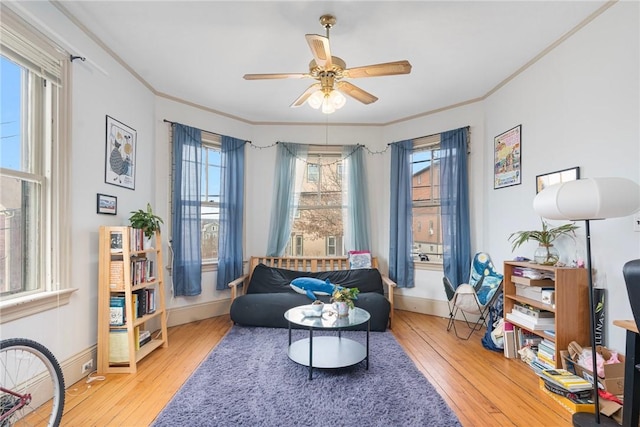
(319,218)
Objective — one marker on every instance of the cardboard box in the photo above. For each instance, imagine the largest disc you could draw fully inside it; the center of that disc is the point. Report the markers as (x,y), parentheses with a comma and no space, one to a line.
(613,380)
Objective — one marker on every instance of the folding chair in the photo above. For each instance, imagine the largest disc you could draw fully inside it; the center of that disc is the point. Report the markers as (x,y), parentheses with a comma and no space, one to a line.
(476,297)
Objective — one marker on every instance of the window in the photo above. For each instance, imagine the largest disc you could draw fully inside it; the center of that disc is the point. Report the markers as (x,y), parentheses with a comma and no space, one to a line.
(313,172)
(319,219)
(33,242)
(210,197)
(427,242)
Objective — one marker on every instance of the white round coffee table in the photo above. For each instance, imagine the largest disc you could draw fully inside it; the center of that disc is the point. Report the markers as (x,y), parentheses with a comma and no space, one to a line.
(327,351)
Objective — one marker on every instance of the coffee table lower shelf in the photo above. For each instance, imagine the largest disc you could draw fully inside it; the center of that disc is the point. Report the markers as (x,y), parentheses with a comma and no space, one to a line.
(327,352)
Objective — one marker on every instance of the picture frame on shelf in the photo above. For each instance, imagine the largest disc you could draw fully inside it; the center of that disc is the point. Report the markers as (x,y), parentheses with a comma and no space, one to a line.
(106,204)
(557,177)
(507,163)
(120,154)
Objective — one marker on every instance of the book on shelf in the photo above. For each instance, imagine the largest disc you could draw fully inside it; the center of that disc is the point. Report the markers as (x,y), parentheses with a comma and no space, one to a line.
(530,323)
(151,300)
(531,292)
(510,350)
(116,242)
(533,273)
(118,346)
(142,302)
(143,338)
(566,379)
(532,311)
(117,310)
(116,276)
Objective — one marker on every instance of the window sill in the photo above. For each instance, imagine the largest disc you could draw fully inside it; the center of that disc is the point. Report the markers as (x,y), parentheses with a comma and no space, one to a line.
(210,266)
(20,307)
(426,265)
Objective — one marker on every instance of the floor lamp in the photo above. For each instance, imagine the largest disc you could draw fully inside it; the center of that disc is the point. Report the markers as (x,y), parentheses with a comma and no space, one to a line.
(586,200)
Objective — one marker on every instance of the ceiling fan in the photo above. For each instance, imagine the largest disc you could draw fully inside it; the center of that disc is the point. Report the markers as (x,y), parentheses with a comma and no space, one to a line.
(330,72)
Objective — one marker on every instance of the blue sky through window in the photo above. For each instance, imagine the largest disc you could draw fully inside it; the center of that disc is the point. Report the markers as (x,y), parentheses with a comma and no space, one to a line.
(10,84)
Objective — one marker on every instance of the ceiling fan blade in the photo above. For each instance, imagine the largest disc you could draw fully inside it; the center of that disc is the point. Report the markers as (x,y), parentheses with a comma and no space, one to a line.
(385,69)
(275,76)
(355,92)
(320,49)
(306,94)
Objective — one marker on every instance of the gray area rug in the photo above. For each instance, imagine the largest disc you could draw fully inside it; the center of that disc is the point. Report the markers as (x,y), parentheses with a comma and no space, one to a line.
(249,380)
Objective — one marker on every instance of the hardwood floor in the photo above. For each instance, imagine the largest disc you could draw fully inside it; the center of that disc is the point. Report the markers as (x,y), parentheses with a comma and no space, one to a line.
(482,387)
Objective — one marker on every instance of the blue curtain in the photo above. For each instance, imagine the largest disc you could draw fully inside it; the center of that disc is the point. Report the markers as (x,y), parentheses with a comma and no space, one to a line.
(230,254)
(358,223)
(284,204)
(400,238)
(454,194)
(187,259)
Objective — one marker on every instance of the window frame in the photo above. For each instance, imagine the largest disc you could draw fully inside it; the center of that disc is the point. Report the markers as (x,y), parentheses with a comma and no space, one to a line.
(211,142)
(429,143)
(334,153)
(22,44)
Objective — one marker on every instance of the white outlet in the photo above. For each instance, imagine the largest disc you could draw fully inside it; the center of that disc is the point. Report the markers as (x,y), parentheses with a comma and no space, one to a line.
(636,222)
(87,366)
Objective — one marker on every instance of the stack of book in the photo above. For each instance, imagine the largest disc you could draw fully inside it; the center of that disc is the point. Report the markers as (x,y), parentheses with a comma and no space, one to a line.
(532,273)
(531,318)
(547,353)
(568,385)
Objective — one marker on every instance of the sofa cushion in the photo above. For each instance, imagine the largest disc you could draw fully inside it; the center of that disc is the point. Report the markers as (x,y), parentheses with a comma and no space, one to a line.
(271,279)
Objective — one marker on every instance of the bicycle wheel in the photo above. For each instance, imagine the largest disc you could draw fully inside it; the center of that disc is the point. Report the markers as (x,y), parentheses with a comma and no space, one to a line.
(31,384)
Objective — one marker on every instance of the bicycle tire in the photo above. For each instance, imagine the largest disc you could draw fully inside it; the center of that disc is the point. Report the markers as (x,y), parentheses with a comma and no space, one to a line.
(27,366)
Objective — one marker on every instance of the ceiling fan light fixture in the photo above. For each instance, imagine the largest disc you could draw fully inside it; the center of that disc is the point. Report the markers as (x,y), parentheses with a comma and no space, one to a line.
(316,99)
(337,99)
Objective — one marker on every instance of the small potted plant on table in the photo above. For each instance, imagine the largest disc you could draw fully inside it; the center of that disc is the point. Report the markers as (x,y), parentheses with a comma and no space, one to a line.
(342,300)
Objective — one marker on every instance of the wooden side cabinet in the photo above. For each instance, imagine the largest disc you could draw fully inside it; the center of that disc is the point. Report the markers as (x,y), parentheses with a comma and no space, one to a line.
(571,305)
(130,299)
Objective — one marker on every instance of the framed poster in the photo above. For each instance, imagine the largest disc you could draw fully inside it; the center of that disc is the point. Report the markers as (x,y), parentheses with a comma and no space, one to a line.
(120,154)
(557,177)
(107,204)
(507,161)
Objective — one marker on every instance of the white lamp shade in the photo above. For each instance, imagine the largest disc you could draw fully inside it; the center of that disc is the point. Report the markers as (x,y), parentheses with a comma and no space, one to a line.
(590,198)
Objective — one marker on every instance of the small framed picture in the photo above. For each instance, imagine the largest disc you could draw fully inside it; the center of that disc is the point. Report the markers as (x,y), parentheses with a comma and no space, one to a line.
(557,177)
(107,204)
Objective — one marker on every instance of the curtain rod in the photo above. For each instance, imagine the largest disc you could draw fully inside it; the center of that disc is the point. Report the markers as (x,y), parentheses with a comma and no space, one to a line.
(201,130)
(434,134)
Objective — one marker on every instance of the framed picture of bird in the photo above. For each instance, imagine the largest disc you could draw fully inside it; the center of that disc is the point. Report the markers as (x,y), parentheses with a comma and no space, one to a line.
(120,155)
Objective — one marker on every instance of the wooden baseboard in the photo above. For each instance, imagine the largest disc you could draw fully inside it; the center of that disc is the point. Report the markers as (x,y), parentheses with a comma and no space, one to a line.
(192,313)
(426,306)
(72,367)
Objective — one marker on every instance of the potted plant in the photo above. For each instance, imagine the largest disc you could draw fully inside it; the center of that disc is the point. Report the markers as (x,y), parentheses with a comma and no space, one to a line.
(146,221)
(546,253)
(343,300)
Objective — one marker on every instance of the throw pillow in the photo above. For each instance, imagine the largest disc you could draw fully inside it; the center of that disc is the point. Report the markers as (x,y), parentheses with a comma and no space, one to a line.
(359,259)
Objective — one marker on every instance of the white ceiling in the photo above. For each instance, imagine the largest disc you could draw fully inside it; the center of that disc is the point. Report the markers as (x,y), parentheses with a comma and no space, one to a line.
(198,51)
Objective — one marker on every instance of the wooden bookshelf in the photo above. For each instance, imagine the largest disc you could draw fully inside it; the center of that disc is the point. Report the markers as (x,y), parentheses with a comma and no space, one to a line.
(571,302)
(125,268)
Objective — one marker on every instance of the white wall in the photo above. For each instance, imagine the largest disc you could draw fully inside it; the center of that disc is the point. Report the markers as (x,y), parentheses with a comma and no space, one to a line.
(99,87)
(578,107)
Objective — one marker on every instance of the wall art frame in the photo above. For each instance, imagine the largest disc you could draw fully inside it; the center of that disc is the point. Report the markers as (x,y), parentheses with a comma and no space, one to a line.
(120,154)
(106,204)
(507,165)
(557,177)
